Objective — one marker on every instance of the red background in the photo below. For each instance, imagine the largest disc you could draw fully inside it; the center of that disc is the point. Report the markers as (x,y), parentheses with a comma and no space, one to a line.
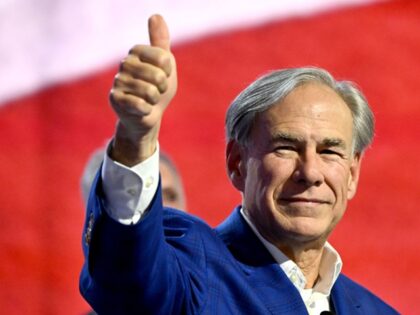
(46,139)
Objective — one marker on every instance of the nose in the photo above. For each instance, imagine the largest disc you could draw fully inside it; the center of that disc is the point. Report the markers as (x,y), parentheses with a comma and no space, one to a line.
(308,171)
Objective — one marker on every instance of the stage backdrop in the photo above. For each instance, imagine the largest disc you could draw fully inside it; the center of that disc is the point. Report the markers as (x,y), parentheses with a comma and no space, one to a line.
(58,59)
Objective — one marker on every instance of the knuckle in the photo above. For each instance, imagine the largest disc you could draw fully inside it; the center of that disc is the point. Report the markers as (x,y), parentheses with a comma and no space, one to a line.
(163,61)
(163,86)
(117,77)
(119,80)
(113,93)
(114,97)
(127,64)
(140,105)
(152,93)
(159,78)
(134,50)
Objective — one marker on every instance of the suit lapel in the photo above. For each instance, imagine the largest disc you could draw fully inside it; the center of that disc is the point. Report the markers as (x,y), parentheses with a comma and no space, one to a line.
(264,274)
(343,302)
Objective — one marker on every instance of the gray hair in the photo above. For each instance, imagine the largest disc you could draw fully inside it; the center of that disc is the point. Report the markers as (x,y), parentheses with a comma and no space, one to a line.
(273,87)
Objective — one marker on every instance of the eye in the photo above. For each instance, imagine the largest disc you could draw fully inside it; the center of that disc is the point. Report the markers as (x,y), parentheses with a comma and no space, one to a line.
(286,151)
(328,152)
(169,195)
(331,152)
(285,148)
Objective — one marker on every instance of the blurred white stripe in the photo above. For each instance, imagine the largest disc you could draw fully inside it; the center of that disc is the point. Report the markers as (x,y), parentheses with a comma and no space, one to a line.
(45,41)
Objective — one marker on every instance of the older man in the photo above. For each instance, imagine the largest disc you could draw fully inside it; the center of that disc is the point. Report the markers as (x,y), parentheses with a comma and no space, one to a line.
(295,140)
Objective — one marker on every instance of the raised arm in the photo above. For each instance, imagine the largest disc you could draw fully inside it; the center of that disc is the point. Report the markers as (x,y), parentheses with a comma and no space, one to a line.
(119,275)
(142,89)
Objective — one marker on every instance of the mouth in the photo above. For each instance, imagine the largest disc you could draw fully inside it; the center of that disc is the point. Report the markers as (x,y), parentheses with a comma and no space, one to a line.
(302,200)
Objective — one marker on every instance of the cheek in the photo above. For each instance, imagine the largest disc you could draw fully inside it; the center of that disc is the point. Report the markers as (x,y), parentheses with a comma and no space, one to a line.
(274,174)
(257,182)
(254,178)
(266,178)
(338,179)
(279,173)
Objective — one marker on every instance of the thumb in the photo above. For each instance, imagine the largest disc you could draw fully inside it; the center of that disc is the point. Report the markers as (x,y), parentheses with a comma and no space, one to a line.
(158,32)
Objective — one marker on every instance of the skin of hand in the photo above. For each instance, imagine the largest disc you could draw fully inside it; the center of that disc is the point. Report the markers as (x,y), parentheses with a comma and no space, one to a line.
(142,89)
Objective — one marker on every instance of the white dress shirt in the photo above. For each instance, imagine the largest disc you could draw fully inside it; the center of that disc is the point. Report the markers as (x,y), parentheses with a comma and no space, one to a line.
(317,298)
(130,190)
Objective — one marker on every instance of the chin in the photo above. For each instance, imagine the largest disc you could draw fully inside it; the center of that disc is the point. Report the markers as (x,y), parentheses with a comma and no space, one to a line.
(309,231)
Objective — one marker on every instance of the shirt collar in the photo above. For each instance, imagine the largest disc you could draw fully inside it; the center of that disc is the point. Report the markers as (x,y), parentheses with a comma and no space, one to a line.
(329,268)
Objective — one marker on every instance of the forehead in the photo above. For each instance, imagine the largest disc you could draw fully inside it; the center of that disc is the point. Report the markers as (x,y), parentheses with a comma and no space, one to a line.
(310,110)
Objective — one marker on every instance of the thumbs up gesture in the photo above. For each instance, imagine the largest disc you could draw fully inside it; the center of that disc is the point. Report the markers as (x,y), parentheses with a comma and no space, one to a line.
(142,89)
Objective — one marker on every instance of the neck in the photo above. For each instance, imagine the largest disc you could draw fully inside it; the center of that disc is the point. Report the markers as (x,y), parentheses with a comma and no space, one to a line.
(307,259)
(306,254)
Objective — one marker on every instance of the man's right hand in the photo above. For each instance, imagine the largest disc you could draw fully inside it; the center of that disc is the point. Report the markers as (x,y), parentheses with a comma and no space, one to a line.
(142,89)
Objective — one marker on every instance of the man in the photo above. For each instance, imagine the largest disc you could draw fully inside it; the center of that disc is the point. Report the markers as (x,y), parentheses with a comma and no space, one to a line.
(295,140)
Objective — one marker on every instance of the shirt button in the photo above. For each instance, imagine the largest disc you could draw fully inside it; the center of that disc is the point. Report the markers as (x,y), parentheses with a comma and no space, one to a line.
(148,182)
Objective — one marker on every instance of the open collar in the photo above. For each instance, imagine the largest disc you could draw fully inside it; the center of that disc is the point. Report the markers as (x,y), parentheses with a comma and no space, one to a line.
(272,285)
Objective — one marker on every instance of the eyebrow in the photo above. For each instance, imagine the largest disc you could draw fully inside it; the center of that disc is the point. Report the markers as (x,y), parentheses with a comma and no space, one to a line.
(290,138)
(334,142)
(286,137)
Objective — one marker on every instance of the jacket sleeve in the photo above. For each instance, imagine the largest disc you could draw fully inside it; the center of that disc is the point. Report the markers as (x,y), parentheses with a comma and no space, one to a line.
(143,268)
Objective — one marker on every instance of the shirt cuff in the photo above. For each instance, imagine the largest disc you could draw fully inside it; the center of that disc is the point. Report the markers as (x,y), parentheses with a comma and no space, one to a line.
(129,190)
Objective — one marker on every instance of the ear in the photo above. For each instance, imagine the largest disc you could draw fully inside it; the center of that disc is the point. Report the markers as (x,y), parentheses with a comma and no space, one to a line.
(354,175)
(235,164)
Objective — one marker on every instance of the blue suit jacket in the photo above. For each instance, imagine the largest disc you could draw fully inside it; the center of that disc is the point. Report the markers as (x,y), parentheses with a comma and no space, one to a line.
(174,263)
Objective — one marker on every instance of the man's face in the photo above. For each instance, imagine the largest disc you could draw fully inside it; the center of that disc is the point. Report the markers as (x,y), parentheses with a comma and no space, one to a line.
(298,171)
(172,193)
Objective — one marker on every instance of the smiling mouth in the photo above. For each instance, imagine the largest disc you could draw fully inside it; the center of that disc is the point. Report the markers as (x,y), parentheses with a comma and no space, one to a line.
(304,200)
